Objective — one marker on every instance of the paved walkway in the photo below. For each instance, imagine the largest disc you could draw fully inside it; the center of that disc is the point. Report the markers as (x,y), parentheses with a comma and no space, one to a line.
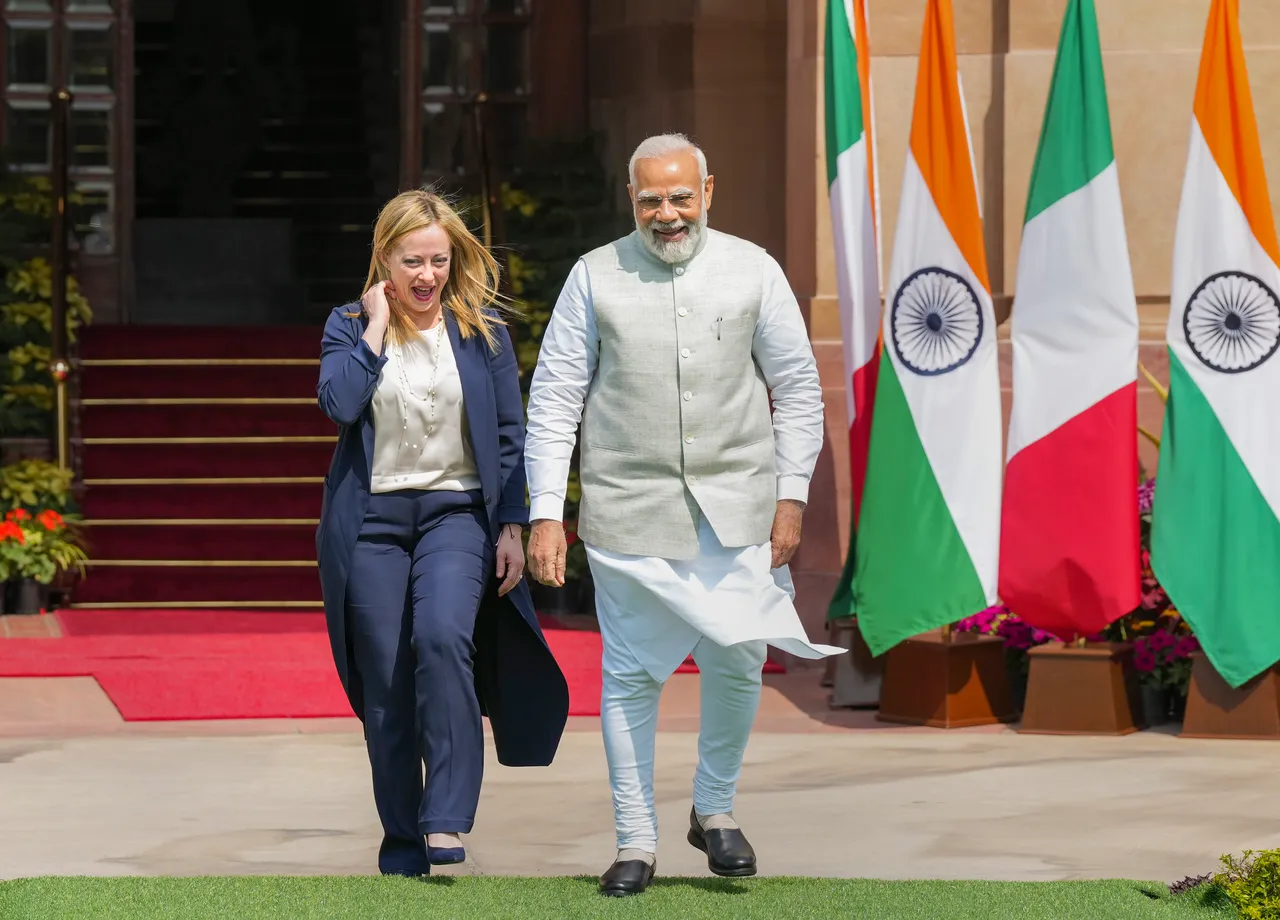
(827,794)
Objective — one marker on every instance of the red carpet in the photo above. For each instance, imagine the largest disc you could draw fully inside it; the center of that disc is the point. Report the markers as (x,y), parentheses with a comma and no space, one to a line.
(161,665)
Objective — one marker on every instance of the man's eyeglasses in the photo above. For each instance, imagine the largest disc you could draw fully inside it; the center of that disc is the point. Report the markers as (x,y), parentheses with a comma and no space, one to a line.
(681,201)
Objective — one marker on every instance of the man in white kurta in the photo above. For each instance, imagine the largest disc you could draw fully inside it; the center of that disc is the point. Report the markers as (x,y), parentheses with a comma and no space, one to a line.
(667,347)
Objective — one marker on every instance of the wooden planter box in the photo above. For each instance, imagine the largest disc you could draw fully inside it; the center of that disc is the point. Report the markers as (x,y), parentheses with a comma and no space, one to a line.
(1216,710)
(946,683)
(1092,690)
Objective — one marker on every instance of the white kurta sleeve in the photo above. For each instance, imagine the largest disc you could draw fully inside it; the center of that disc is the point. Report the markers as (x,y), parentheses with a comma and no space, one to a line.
(566,364)
(781,349)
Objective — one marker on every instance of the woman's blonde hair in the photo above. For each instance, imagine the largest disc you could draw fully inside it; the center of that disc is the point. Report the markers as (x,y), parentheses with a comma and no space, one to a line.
(471,294)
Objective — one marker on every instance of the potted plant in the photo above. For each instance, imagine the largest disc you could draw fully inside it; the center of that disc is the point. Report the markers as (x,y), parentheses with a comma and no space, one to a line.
(1163,661)
(36,549)
(12,546)
(1162,640)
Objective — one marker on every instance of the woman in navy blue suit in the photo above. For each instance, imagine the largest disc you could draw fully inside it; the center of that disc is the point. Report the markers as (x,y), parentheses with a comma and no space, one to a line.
(419,544)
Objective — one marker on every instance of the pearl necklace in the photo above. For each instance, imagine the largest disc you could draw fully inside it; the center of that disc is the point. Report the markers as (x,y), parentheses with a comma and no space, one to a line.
(407,393)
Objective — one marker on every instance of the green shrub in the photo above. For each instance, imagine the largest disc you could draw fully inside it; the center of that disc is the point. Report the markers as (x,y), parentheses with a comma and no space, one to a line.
(35,485)
(1252,883)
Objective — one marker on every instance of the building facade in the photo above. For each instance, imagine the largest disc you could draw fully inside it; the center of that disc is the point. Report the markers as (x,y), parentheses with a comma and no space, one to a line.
(229,155)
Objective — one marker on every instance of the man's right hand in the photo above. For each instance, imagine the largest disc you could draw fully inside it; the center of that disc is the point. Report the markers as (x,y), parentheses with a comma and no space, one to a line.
(547,548)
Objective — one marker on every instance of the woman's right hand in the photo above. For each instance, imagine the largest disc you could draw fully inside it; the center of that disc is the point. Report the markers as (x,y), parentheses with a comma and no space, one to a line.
(376,306)
(378,310)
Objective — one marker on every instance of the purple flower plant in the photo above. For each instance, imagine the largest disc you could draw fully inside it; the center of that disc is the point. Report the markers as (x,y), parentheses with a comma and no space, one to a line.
(1186,645)
(1000,621)
(1161,648)
(1144,659)
(1146,496)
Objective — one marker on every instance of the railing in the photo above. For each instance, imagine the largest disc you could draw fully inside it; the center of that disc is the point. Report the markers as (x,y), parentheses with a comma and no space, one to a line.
(59,365)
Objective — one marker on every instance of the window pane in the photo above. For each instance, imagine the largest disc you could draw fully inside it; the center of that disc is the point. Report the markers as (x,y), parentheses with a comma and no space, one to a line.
(444,7)
(445,140)
(29,53)
(446,54)
(91,53)
(92,218)
(28,6)
(90,137)
(27,133)
(507,6)
(505,62)
(88,6)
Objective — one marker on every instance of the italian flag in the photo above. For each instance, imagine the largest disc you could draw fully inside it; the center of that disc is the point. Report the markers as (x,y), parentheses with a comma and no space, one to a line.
(929,529)
(1069,554)
(1215,536)
(852,179)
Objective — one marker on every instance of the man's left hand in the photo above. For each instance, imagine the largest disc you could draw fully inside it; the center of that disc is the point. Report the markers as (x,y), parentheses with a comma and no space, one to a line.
(786,531)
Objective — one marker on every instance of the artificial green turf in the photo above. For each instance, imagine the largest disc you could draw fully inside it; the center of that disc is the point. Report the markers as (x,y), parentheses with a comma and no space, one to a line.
(465,898)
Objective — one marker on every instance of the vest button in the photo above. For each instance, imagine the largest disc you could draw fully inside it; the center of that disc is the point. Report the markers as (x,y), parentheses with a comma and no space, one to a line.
(688,439)
(683,312)
(684,352)
(679,271)
(687,396)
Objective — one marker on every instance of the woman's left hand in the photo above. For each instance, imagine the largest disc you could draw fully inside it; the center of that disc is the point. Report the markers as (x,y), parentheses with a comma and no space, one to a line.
(510,556)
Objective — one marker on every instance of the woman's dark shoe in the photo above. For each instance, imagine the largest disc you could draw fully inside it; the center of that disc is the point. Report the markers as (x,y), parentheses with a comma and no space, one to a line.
(446,856)
(398,856)
(728,852)
(446,850)
(627,877)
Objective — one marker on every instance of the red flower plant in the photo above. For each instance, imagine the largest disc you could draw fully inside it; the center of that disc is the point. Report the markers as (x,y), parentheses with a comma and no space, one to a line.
(11,531)
(49,519)
(18,514)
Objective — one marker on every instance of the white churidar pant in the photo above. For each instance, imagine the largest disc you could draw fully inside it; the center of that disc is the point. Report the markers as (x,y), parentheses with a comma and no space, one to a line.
(724,607)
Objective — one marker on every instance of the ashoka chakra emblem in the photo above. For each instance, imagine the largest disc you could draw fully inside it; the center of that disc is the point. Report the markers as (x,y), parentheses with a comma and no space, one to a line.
(1232,322)
(936,321)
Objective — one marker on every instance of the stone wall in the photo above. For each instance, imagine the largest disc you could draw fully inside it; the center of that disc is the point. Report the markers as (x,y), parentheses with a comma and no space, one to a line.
(1151,54)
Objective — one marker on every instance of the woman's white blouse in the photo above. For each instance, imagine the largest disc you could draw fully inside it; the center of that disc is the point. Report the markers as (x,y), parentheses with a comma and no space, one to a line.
(421,438)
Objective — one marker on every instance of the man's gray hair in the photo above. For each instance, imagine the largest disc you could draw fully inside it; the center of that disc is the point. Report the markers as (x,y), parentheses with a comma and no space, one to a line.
(661,145)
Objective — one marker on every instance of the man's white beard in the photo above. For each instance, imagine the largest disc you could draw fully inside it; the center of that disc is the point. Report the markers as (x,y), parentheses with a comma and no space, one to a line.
(680,250)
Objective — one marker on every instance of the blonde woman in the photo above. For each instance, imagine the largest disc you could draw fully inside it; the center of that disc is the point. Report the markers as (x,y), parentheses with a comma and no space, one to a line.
(419,543)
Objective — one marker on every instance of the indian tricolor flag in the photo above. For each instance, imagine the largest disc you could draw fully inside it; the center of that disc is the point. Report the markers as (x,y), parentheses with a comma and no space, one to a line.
(851,176)
(1215,537)
(929,531)
(1069,560)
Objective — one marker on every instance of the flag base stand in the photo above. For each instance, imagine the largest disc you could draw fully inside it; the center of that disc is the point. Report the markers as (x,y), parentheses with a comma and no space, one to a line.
(829,664)
(857,676)
(946,681)
(1082,690)
(1216,710)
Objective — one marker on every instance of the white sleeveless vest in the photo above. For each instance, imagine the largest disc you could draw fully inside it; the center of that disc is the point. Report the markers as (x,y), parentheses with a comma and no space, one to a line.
(677,418)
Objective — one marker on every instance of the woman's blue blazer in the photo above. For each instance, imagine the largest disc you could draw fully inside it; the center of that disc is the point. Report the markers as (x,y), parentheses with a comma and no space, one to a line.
(520,686)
